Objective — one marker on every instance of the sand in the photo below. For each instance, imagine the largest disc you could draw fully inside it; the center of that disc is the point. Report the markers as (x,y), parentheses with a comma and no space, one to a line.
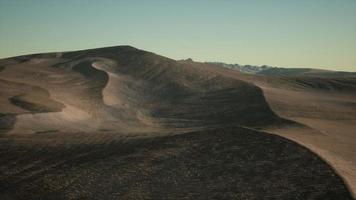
(124,123)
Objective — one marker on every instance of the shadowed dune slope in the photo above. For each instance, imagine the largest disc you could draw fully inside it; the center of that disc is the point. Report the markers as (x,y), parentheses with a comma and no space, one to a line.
(119,122)
(231,163)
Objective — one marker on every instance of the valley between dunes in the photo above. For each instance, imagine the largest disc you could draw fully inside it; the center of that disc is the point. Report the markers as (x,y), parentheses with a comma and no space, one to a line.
(123,123)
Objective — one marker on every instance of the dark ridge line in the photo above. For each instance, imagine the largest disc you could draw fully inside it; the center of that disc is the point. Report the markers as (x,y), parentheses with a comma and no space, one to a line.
(32,107)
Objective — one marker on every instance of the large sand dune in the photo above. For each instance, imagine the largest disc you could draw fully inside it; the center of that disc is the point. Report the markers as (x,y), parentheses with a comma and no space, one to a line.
(325,106)
(124,123)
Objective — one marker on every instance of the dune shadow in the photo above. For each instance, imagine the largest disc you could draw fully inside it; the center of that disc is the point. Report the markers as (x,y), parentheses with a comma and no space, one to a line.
(7,122)
(230,163)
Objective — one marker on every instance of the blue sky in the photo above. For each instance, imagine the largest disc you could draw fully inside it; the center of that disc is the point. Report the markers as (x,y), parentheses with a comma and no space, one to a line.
(286,33)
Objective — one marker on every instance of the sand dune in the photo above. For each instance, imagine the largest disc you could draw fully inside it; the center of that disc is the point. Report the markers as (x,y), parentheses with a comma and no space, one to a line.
(327,108)
(119,122)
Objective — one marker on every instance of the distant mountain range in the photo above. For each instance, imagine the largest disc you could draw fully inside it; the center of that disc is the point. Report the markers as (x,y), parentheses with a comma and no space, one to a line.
(279,71)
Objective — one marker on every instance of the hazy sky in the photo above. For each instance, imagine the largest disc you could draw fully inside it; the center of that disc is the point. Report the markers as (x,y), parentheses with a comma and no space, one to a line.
(286,33)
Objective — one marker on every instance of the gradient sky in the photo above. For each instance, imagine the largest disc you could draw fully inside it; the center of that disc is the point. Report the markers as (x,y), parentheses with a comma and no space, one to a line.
(285,33)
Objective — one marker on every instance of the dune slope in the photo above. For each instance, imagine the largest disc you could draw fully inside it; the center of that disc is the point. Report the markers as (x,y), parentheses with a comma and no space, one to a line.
(325,106)
(119,122)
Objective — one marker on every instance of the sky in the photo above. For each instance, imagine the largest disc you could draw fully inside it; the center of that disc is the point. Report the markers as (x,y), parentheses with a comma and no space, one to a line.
(284,33)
